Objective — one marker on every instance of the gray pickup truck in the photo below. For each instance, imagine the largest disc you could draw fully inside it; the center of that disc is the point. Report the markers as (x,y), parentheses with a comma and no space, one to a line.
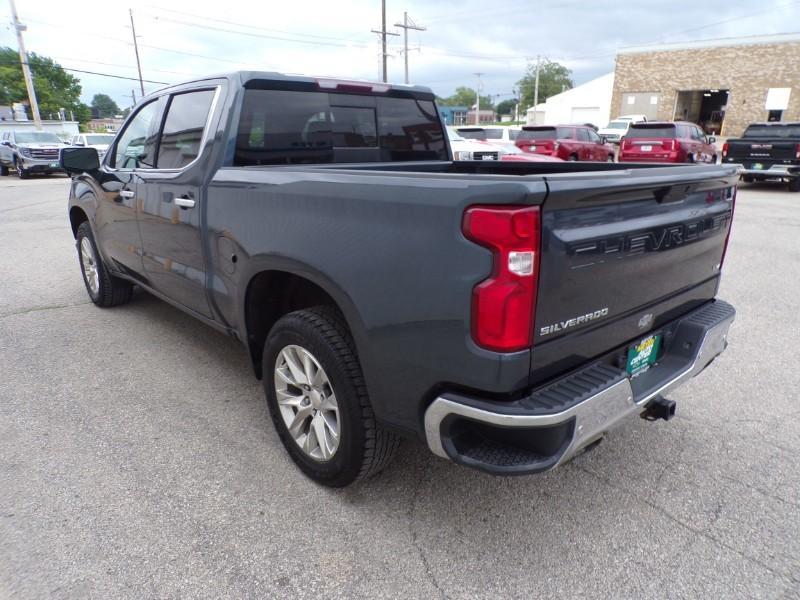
(30,152)
(507,314)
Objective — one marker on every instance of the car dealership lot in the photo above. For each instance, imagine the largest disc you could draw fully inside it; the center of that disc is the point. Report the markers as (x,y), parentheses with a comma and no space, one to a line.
(137,459)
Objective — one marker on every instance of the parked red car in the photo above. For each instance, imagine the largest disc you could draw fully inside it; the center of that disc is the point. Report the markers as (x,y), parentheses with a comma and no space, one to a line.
(677,142)
(567,142)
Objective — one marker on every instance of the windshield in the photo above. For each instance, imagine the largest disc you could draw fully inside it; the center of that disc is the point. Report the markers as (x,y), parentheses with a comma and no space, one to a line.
(99,140)
(618,125)
(454,136)
(647,131)
(542,133)
(474,134)
(36,137)
(772,131)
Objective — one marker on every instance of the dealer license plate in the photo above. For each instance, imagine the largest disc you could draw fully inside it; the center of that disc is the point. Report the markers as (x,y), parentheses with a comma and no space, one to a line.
(646,148)
(642,355)
(533,148)
(758,166)
(53,165)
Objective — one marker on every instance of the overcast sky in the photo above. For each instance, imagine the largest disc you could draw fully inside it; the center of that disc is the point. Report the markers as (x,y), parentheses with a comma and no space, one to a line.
(184,38)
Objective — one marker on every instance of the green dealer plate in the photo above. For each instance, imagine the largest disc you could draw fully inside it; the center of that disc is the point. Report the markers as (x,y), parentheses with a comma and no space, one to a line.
(643,354)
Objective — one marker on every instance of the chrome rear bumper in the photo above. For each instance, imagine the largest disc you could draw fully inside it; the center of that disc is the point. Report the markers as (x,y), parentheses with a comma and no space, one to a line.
(574,411)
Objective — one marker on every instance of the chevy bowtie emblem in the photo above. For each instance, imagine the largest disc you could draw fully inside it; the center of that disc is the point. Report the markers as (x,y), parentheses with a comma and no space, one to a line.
(646,321)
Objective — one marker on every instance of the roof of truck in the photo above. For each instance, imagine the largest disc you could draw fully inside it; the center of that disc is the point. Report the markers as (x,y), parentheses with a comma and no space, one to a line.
(324,82)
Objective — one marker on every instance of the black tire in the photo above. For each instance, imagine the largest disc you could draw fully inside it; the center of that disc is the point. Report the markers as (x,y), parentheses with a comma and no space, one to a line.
(610,158)
(690,159)
(365,447)
(794,184)
(3,171)
(21,173)
(748,178)
(111,291)
(573,157)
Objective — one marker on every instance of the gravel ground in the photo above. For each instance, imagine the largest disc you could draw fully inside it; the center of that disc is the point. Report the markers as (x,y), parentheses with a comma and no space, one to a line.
(137,459)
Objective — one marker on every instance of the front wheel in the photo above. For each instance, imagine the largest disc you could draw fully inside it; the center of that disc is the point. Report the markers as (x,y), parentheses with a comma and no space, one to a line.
(3,170)
(104,289)
(748,178)
(794,184)
(573,157)
(610,158)
(21,172)
(318,400)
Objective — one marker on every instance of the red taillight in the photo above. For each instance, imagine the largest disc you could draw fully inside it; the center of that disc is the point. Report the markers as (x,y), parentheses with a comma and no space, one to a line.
(725,149)
(503,305)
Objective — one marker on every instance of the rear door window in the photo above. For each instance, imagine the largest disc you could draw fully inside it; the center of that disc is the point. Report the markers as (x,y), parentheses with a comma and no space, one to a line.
(565,133)
(583,134)
(183,129)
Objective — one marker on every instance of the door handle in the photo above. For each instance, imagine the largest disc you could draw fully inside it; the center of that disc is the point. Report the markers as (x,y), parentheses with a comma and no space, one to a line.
(126,194)
(184,201)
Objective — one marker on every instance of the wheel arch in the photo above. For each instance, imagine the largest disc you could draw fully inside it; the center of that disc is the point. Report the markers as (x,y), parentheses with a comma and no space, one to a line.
(77,216)
(274,292)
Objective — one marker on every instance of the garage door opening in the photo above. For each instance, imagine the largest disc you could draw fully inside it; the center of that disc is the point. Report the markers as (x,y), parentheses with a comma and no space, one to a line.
(704,107)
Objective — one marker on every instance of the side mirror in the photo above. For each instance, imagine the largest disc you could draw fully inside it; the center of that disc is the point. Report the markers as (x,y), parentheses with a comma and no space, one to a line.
(712,140)
(603,139)
(79,160)
(5,143)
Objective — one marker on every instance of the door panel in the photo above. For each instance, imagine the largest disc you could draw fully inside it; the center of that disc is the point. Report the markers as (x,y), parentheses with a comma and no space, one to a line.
(116,223)
(170,218)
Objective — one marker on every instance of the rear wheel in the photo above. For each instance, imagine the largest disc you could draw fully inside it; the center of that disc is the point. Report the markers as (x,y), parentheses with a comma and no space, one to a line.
(3,170)
(748,178)
(794,184)
(104,289)
(573,157)
(610,158)
(318,399)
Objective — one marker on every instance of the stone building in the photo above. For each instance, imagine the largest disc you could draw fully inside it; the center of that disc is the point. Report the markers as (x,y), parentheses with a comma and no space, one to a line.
(723,85)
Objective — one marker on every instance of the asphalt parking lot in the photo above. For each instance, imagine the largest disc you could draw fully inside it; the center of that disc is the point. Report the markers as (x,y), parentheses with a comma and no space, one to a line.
(137,459)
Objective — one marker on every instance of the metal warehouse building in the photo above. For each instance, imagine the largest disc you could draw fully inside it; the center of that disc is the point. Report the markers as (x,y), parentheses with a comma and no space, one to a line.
(721,84)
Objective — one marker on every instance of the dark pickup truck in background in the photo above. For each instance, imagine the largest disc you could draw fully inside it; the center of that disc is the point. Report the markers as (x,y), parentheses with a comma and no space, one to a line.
(767,151)
(507,314)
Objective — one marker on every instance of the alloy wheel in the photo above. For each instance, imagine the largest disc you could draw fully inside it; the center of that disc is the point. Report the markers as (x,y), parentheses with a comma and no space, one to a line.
(89,262)
(307,402)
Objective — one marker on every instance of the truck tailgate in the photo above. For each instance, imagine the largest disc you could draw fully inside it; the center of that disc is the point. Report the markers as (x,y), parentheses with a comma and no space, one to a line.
(624,251)
(756,150)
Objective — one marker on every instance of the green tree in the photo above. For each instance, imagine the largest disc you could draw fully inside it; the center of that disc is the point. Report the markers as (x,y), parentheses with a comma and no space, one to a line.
(506,107)
(55,88)
(554,78)
(105,106)
(465,96)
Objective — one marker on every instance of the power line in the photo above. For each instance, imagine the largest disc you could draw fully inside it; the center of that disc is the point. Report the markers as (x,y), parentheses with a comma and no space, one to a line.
(248,26)
(259,35)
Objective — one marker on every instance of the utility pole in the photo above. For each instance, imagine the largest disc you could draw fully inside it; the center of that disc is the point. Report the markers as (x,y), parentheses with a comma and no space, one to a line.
(536,88)
(136,50)
(478,96)
(406,25)
(26,70)
(383,33)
